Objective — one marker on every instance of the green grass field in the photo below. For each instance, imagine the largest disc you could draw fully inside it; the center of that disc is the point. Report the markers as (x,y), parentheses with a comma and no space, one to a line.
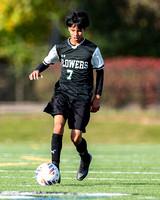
(124,145)
(117,171)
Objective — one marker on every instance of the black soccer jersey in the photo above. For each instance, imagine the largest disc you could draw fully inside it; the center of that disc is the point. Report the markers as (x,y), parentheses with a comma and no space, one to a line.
(77,64)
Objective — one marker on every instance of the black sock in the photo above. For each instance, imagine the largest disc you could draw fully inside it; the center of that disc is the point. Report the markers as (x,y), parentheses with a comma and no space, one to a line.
(82,149)
(56,146)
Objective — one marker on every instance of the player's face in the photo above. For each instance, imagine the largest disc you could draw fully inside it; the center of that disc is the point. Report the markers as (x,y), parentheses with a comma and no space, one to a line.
(77,34)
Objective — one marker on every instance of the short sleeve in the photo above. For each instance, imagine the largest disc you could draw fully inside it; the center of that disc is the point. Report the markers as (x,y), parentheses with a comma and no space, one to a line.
(52,57)
(97,60)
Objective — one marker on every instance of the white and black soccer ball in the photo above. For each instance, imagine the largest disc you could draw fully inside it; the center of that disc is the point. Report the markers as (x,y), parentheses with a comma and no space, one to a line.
(47,174)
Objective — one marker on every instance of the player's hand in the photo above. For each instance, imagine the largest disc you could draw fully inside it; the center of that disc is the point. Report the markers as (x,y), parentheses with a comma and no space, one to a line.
(35,75)
(95,106)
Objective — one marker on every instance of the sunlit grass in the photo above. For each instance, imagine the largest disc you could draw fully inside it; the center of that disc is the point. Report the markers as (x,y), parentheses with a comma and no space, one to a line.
(115,169)
(106,126)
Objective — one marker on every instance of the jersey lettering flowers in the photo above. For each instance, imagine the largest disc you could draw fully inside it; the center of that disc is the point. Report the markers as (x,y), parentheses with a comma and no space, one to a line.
(76,64)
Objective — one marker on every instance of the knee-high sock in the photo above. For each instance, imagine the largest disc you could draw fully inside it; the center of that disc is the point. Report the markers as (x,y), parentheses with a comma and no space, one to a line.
(82,149)
(56,146)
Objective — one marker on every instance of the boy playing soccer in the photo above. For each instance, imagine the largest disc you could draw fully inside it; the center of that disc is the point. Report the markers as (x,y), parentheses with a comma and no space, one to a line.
(72,98)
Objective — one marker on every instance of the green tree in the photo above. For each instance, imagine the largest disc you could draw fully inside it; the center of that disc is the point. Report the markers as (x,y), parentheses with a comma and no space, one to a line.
(126,27)
(25,32)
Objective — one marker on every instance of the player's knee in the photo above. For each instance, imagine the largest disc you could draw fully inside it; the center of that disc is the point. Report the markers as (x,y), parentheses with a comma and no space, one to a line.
(58,128)
(74,139)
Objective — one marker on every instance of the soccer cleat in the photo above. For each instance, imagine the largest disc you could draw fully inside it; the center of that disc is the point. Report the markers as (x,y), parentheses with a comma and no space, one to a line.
(57,165)
(83,168)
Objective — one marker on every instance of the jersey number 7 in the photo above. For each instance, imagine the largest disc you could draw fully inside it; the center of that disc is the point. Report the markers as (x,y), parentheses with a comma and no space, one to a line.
(70,72)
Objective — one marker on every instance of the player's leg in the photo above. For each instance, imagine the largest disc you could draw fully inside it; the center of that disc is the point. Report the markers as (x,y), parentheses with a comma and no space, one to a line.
(58,108)
(78,120)
(81,147)
(56,142)
(80,143)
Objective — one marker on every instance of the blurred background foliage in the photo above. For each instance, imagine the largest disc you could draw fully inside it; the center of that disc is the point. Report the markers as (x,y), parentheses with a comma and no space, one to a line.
(126,28)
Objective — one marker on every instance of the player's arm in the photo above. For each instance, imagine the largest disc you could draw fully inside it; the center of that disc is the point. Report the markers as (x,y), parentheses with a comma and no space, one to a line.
(95,106)
(37,72)
(98,64)
(50,59)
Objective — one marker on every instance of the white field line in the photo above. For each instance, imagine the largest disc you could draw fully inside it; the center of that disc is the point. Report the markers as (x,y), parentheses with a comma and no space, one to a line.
(22,186)
(16,177)
(4,170)
(16,197)
(123,179)
(91,172)
(31,195)
(25,194)
(118,179)
(96,172)
(99,178)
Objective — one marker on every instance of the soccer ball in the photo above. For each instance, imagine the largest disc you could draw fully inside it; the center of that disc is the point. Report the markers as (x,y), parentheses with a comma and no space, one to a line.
(47,174)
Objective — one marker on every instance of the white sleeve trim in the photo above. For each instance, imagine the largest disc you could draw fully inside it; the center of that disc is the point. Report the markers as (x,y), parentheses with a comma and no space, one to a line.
(52,57)
(97,60)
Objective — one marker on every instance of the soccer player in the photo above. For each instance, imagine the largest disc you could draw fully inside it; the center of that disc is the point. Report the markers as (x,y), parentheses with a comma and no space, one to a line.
(72,99)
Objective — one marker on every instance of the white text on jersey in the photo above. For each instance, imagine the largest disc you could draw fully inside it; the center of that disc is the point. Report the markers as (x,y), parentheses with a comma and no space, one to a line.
(74,64)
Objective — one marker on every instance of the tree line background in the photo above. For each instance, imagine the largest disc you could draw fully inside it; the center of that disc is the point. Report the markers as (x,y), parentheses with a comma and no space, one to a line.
(126,29)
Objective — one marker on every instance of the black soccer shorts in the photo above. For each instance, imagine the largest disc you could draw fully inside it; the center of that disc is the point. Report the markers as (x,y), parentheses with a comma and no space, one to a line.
(77,112)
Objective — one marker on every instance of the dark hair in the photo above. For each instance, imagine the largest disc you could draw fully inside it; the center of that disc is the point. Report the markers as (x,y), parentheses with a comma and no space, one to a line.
(77,17)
